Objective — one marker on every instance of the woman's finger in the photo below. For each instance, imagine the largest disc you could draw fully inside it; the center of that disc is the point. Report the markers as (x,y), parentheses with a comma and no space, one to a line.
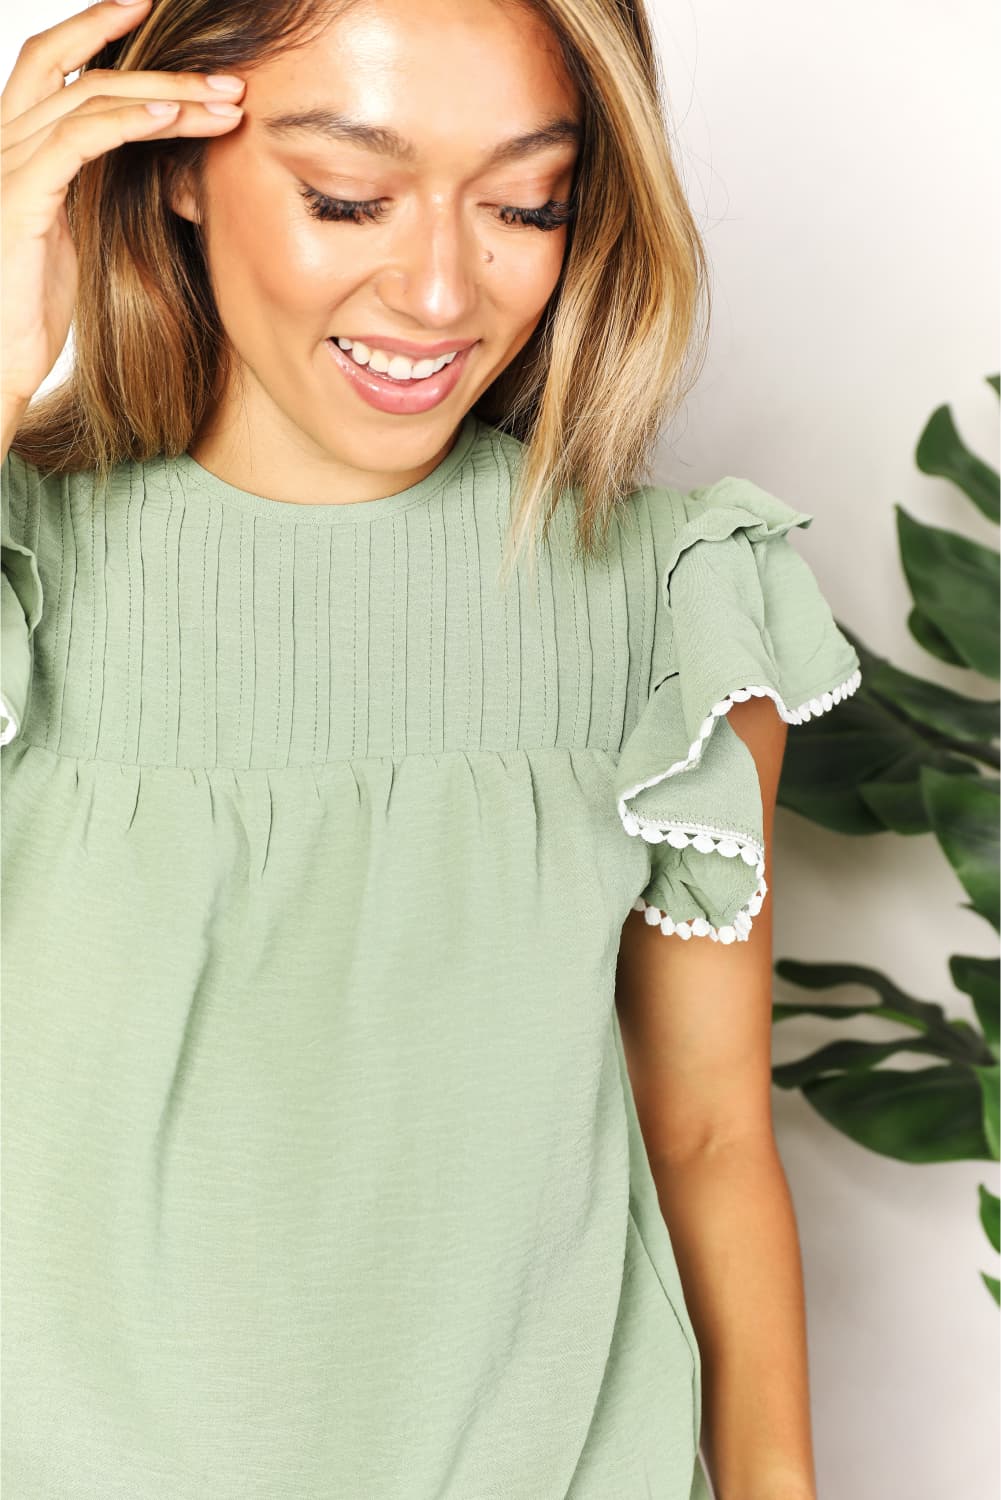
(45,163)
(110,83)
(46,58)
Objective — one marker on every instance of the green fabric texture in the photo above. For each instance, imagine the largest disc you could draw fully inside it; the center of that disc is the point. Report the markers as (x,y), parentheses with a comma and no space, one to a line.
(744,617)
(322,1171)
(20,612)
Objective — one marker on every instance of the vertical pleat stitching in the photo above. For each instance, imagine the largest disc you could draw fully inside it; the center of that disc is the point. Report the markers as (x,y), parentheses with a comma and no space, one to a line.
(584,657)
(398,584)
(287,650)
(380,637)
(457,645)
(241,682)
(328,611)
(275,674)
(473,733)
(434,743)
(363,641)
(648,607)
(341,615)
(253,634)
(522,648)
(608,684)
(174,684)
(583,665)
(442,679)
(164,684)
(69,556)
(550,645)
(462,722)
(504,735)
(210,687)
(454,692)
(619,683)
(543,661)
(29,529)
(354,647)
(133,695)
(477,583)
(512,735)
(97,689)
(286,633)
(316,647)
(488,613)
(203,553)
(162,687)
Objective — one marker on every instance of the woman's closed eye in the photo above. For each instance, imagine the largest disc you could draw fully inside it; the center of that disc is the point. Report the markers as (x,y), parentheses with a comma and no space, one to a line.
(551,215)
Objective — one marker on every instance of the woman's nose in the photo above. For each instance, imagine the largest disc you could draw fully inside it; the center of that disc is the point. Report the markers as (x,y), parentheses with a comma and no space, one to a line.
(434,269)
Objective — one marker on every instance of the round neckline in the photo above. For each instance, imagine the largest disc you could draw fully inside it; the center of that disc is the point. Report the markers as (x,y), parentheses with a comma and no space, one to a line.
(331,512)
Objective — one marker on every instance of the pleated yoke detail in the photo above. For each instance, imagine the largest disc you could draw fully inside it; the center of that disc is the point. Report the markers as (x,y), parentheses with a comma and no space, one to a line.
(188,623)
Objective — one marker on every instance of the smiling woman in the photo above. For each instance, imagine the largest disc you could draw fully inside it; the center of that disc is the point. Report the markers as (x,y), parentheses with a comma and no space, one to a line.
(378,215)
(323,807)
(493,172)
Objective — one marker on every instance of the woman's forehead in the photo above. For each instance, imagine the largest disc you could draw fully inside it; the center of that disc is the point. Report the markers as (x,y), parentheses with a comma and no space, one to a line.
(478,53)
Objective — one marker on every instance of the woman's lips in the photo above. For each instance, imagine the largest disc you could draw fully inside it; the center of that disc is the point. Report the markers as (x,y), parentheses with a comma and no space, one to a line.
(400,398)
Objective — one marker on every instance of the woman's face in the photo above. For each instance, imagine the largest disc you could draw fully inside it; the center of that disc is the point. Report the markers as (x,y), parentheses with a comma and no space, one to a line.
(404,105)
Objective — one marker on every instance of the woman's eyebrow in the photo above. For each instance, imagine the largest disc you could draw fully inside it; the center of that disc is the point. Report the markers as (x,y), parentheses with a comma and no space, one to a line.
(335,126)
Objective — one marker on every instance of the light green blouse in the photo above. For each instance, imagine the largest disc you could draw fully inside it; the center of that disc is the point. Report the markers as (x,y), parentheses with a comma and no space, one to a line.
(322,1173)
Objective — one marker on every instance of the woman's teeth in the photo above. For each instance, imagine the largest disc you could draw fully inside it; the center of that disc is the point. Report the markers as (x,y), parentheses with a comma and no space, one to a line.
(396,366)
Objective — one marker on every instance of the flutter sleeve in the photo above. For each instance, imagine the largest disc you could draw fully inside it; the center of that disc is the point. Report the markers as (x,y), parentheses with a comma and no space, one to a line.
(20,604)
(746,618)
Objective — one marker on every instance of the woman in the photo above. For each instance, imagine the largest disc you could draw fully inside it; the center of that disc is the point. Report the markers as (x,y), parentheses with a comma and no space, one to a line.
(347,1104)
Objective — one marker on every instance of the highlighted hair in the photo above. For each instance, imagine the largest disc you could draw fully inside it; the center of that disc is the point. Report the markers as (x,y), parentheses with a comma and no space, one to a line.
(619,345)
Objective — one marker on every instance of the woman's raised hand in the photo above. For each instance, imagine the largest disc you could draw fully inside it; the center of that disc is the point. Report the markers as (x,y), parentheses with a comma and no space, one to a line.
(50,128)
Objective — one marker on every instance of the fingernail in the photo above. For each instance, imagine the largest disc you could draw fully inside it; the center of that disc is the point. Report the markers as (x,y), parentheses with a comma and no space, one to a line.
(228,82)
(222,109)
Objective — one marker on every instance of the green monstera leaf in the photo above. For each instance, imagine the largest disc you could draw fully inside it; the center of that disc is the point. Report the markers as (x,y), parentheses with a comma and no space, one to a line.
(929,1115)
(955,585)
(980,978)
(942,451)
(859,771)
(964,814)
(913,756)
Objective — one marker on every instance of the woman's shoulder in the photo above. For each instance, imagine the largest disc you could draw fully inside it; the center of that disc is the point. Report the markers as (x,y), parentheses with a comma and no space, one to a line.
(738,613)
(29,494)
(722,562)
(34,494)
(679,518)
(30,489)
(23,488)
(23,485)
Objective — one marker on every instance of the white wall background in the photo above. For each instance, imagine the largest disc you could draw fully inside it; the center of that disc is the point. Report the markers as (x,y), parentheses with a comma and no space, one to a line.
(843,166)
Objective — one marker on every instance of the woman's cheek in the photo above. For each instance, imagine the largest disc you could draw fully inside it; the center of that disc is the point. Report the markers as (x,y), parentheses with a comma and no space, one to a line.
(529,280)
(298,266)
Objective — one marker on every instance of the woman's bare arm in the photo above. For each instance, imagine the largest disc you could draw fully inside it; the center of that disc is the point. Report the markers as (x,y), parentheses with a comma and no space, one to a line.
(696,1028)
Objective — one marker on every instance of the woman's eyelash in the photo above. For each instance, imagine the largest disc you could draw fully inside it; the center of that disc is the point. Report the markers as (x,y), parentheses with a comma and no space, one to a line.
(551,215)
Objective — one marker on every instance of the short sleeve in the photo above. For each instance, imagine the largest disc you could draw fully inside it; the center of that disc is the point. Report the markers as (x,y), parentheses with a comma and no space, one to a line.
(745,617)
(20,601)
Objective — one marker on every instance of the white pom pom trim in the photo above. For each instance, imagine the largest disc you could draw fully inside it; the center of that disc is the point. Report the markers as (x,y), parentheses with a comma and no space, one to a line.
(10,724)
(715,840)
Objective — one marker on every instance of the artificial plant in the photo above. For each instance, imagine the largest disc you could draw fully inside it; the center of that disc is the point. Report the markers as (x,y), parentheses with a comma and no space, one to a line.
(907,755)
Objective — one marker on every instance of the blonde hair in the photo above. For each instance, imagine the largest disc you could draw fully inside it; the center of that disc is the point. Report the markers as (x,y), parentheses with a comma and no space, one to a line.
(619,345)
